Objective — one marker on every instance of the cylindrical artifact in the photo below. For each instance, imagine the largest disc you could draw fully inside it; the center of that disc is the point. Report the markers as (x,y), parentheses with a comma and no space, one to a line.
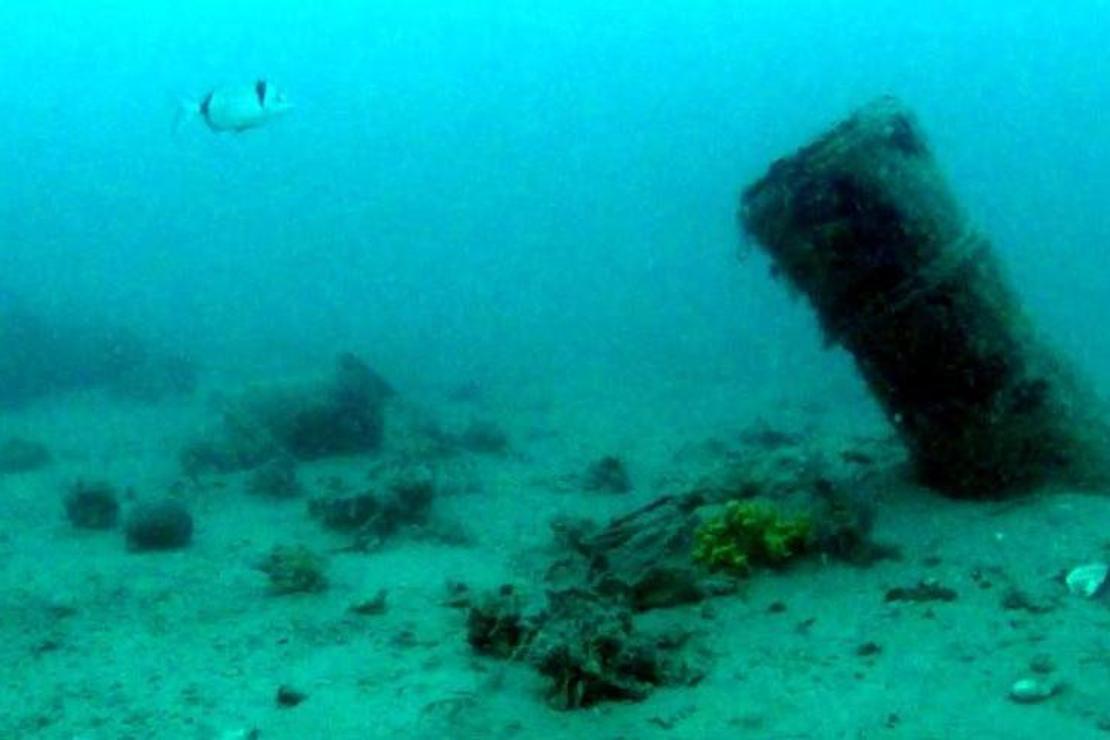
(862,223)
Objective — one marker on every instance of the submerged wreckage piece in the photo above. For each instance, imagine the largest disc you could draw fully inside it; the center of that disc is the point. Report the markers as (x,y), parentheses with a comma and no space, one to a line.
(862,223)
(342,414)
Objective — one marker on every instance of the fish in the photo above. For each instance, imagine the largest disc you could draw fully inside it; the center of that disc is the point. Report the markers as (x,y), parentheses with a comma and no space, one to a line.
(236,108)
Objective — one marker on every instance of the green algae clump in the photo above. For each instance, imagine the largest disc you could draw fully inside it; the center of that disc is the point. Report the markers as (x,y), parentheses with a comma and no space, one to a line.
(294,570)
(750,533)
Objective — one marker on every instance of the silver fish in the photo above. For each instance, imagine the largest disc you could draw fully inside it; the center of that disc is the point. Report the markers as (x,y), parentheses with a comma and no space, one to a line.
(237,107)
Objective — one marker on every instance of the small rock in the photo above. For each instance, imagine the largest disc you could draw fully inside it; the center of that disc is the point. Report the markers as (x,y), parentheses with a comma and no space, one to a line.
(1015,599)
(374,606)
(607,475)
(161,525)
(92,506)
(459,595)
(289,697)
(927,590)
(869,649)
(1033,690)
(1042,663)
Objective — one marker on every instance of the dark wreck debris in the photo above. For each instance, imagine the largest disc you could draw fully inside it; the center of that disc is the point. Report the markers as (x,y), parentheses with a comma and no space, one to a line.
(862,223)
(588,633)
(644,558)
(92,505)
(403,498)
(684,548)
(591,651)
(343,414)
(497,626)
(586,645)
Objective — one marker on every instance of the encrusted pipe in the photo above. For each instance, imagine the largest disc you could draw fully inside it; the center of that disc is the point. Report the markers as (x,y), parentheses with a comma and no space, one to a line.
(863,224)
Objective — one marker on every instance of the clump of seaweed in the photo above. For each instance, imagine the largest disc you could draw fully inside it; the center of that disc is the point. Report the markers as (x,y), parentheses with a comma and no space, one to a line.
(405,501)
(294,569)
(586,645)
(496,625)
(591,653)
(751,533)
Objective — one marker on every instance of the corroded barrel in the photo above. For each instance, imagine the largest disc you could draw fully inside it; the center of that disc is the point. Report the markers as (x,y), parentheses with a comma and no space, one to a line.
(863,224)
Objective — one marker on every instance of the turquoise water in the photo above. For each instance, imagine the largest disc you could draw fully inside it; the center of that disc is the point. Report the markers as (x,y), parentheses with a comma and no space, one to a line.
(506,182)
(531,204)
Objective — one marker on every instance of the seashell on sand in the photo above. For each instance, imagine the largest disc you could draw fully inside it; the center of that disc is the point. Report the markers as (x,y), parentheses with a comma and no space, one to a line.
(1033,690)
(1087,580)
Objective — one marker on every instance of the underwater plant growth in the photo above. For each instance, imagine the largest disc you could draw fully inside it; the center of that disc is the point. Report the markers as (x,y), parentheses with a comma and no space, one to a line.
(748,534)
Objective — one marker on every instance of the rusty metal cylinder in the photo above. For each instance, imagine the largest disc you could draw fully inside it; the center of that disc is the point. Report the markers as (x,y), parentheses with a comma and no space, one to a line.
(862,222)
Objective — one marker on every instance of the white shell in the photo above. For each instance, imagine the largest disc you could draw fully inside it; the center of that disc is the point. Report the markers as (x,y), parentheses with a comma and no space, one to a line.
(1087,580)
(1033,690)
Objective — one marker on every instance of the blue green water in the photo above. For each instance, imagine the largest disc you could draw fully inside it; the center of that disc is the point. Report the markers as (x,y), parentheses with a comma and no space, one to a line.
(480,184)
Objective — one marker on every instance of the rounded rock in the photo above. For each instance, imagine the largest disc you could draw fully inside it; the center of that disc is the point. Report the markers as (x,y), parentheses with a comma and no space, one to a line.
(1033,690)
(92,506)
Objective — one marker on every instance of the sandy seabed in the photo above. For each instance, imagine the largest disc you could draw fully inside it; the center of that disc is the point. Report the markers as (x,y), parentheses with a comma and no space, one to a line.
(99,642)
